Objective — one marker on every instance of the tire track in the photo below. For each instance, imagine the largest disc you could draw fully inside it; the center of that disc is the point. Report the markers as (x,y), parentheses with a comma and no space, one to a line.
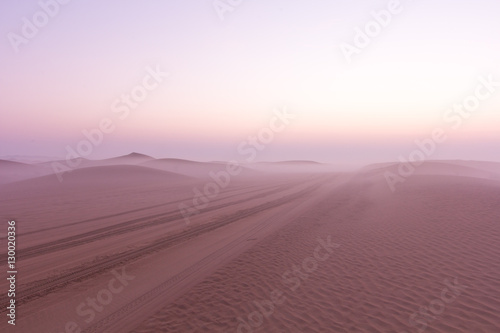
(122,228)
(156,293)
(43,287)
(94,219)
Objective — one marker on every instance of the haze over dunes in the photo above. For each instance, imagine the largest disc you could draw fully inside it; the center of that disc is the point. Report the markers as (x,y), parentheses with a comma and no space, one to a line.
(250,166)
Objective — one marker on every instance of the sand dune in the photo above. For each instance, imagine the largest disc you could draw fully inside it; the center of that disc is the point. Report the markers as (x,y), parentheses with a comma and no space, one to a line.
(94,178)
(130,159)
(488,170)
(493,167)
(185,167)
(120,174)
(197,169)
(16,171)
(291,252)
(81,162)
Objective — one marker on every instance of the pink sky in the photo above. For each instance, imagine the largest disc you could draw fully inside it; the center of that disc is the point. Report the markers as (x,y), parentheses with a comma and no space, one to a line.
(226,78)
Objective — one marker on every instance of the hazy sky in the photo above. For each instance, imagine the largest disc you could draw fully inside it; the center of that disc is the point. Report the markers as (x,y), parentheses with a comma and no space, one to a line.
(227,76)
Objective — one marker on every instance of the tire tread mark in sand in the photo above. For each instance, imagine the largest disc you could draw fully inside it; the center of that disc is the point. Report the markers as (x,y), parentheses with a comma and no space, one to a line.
(120,228)
(43,287)
(156,292)
(94,219)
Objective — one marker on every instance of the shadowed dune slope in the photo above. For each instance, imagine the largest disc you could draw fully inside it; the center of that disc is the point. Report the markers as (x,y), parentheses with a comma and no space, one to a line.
(130,159)
(100,177)
(488,170)
(15,171)
(197,169)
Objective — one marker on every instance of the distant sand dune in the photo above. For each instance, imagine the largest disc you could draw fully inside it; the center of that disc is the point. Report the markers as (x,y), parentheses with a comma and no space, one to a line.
(185,167)
(130,159)
(488,170)
(16,171)
(103,176)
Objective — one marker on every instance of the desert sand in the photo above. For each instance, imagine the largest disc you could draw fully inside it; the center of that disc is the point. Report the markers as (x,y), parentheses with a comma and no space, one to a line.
(283,247)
